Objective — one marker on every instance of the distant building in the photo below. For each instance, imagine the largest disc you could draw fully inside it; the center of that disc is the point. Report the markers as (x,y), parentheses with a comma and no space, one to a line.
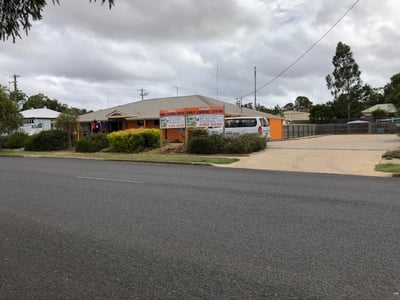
(387,108)
(37,120)
(293,116)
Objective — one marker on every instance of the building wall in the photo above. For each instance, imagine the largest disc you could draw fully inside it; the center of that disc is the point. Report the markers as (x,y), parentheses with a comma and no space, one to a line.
(276,129)
(33,126)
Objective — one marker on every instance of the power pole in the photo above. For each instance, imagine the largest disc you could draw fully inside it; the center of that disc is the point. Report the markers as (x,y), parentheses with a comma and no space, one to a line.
(177,90)
(255,88)
(143,93)
(15,84)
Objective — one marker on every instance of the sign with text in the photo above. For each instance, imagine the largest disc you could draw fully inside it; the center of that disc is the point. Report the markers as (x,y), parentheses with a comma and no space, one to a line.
(193,117)
(172,118)
(204,117)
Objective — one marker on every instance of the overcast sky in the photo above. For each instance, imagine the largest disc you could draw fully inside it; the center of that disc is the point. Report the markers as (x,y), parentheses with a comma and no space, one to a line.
(88,56)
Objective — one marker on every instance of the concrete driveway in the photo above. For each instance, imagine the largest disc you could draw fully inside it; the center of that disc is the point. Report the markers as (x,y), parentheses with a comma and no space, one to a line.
(335,154)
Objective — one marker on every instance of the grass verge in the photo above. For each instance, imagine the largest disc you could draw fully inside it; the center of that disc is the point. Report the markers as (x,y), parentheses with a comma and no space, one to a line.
(389,168)
(146,157)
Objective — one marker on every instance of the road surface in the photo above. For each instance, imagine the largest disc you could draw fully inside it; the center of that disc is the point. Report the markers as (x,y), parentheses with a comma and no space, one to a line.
(81,229)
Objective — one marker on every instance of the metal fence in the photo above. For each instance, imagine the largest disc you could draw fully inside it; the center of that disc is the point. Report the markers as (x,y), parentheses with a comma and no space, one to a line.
(302,130)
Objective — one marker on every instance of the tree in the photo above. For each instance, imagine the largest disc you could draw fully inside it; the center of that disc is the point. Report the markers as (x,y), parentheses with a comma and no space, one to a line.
(371,96)
(392,91)
(321,113)
(302,103)
(68,122)
(10,118)
(288,106)
(345,81)
(17,15)
(40,101)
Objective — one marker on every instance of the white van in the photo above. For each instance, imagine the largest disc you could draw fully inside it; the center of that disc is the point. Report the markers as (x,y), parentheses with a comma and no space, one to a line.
(242,125)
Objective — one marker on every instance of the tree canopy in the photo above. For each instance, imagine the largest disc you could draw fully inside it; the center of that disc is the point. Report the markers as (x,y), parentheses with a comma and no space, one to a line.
(392,91)
(302,103)
(17,15)
(10,118)
(345,81)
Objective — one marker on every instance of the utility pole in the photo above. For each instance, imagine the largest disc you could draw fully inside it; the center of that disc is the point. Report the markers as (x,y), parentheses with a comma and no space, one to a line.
(177,89)
(143,93)
(15,84)
(255,88)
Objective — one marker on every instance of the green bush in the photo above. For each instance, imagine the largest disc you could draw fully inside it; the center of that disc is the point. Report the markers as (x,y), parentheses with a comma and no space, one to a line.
(92,143)
(214,144)
(134,140)
(205,144)
(17,140)
(3,141)
(51,140)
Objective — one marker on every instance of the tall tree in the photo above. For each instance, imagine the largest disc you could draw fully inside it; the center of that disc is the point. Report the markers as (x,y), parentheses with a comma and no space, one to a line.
(345,81)
(10,118)
(392,91)
(302,103)
(68,122)
(288,106)
(17,15)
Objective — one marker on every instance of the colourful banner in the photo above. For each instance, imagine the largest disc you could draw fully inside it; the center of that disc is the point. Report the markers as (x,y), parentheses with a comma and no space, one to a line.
(172,118)
(196,117)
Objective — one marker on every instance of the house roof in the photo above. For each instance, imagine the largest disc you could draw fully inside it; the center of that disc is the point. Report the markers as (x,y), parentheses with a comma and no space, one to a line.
(40,113)
(390,108)
(150,109)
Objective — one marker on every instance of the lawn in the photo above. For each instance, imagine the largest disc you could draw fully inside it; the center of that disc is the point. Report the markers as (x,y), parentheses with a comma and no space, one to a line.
(146,157)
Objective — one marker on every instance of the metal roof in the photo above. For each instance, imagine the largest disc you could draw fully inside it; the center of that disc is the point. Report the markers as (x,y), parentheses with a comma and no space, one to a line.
(150,109)
(389,107)
(40,113)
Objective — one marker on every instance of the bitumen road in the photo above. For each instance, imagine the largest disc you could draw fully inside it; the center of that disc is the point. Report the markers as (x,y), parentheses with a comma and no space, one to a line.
(82,229)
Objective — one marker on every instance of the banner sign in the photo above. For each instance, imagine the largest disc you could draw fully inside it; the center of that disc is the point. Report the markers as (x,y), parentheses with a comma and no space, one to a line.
(193,117)
(205,117)
(172,118)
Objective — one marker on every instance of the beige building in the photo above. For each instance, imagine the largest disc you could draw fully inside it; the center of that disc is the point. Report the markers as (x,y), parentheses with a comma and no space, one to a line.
(146,113)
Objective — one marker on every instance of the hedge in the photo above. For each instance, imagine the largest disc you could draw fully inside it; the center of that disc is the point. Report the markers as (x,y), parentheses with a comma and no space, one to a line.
(51,140)
(134,140)
(218,144)
(17,140)
(92,143)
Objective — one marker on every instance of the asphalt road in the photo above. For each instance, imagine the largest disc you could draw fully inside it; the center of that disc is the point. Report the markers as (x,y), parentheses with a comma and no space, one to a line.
(80,229)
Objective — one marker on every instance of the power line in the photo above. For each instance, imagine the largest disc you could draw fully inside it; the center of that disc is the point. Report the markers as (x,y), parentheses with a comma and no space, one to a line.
(305,53)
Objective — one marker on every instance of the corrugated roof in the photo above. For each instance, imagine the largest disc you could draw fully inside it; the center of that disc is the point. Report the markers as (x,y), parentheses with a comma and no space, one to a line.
(389,107)
(150,109)
(40,113)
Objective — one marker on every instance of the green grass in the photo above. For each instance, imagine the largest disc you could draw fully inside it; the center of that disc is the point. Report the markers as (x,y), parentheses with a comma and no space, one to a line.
(389,168)
(391,154)
(147,157)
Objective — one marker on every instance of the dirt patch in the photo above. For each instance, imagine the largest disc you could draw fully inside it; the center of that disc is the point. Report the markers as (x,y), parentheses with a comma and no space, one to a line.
(170,148)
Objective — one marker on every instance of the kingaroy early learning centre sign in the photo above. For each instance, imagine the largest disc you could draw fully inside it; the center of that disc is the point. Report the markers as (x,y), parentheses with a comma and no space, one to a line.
(193,117)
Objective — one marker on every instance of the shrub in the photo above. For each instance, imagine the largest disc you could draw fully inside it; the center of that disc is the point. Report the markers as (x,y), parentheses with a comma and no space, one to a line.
(214,144)
(3,141)
(92,143)
(205,144)
(17,140)
(134,140)
(51,140)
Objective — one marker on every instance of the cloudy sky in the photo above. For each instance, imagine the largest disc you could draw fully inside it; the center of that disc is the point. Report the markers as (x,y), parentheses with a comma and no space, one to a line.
(88,56)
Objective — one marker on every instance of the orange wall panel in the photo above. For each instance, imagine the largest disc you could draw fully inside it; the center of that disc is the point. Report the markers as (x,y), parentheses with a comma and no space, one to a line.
(276,127)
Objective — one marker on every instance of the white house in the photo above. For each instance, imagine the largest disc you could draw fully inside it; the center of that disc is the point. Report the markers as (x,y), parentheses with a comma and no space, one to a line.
(37,120)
